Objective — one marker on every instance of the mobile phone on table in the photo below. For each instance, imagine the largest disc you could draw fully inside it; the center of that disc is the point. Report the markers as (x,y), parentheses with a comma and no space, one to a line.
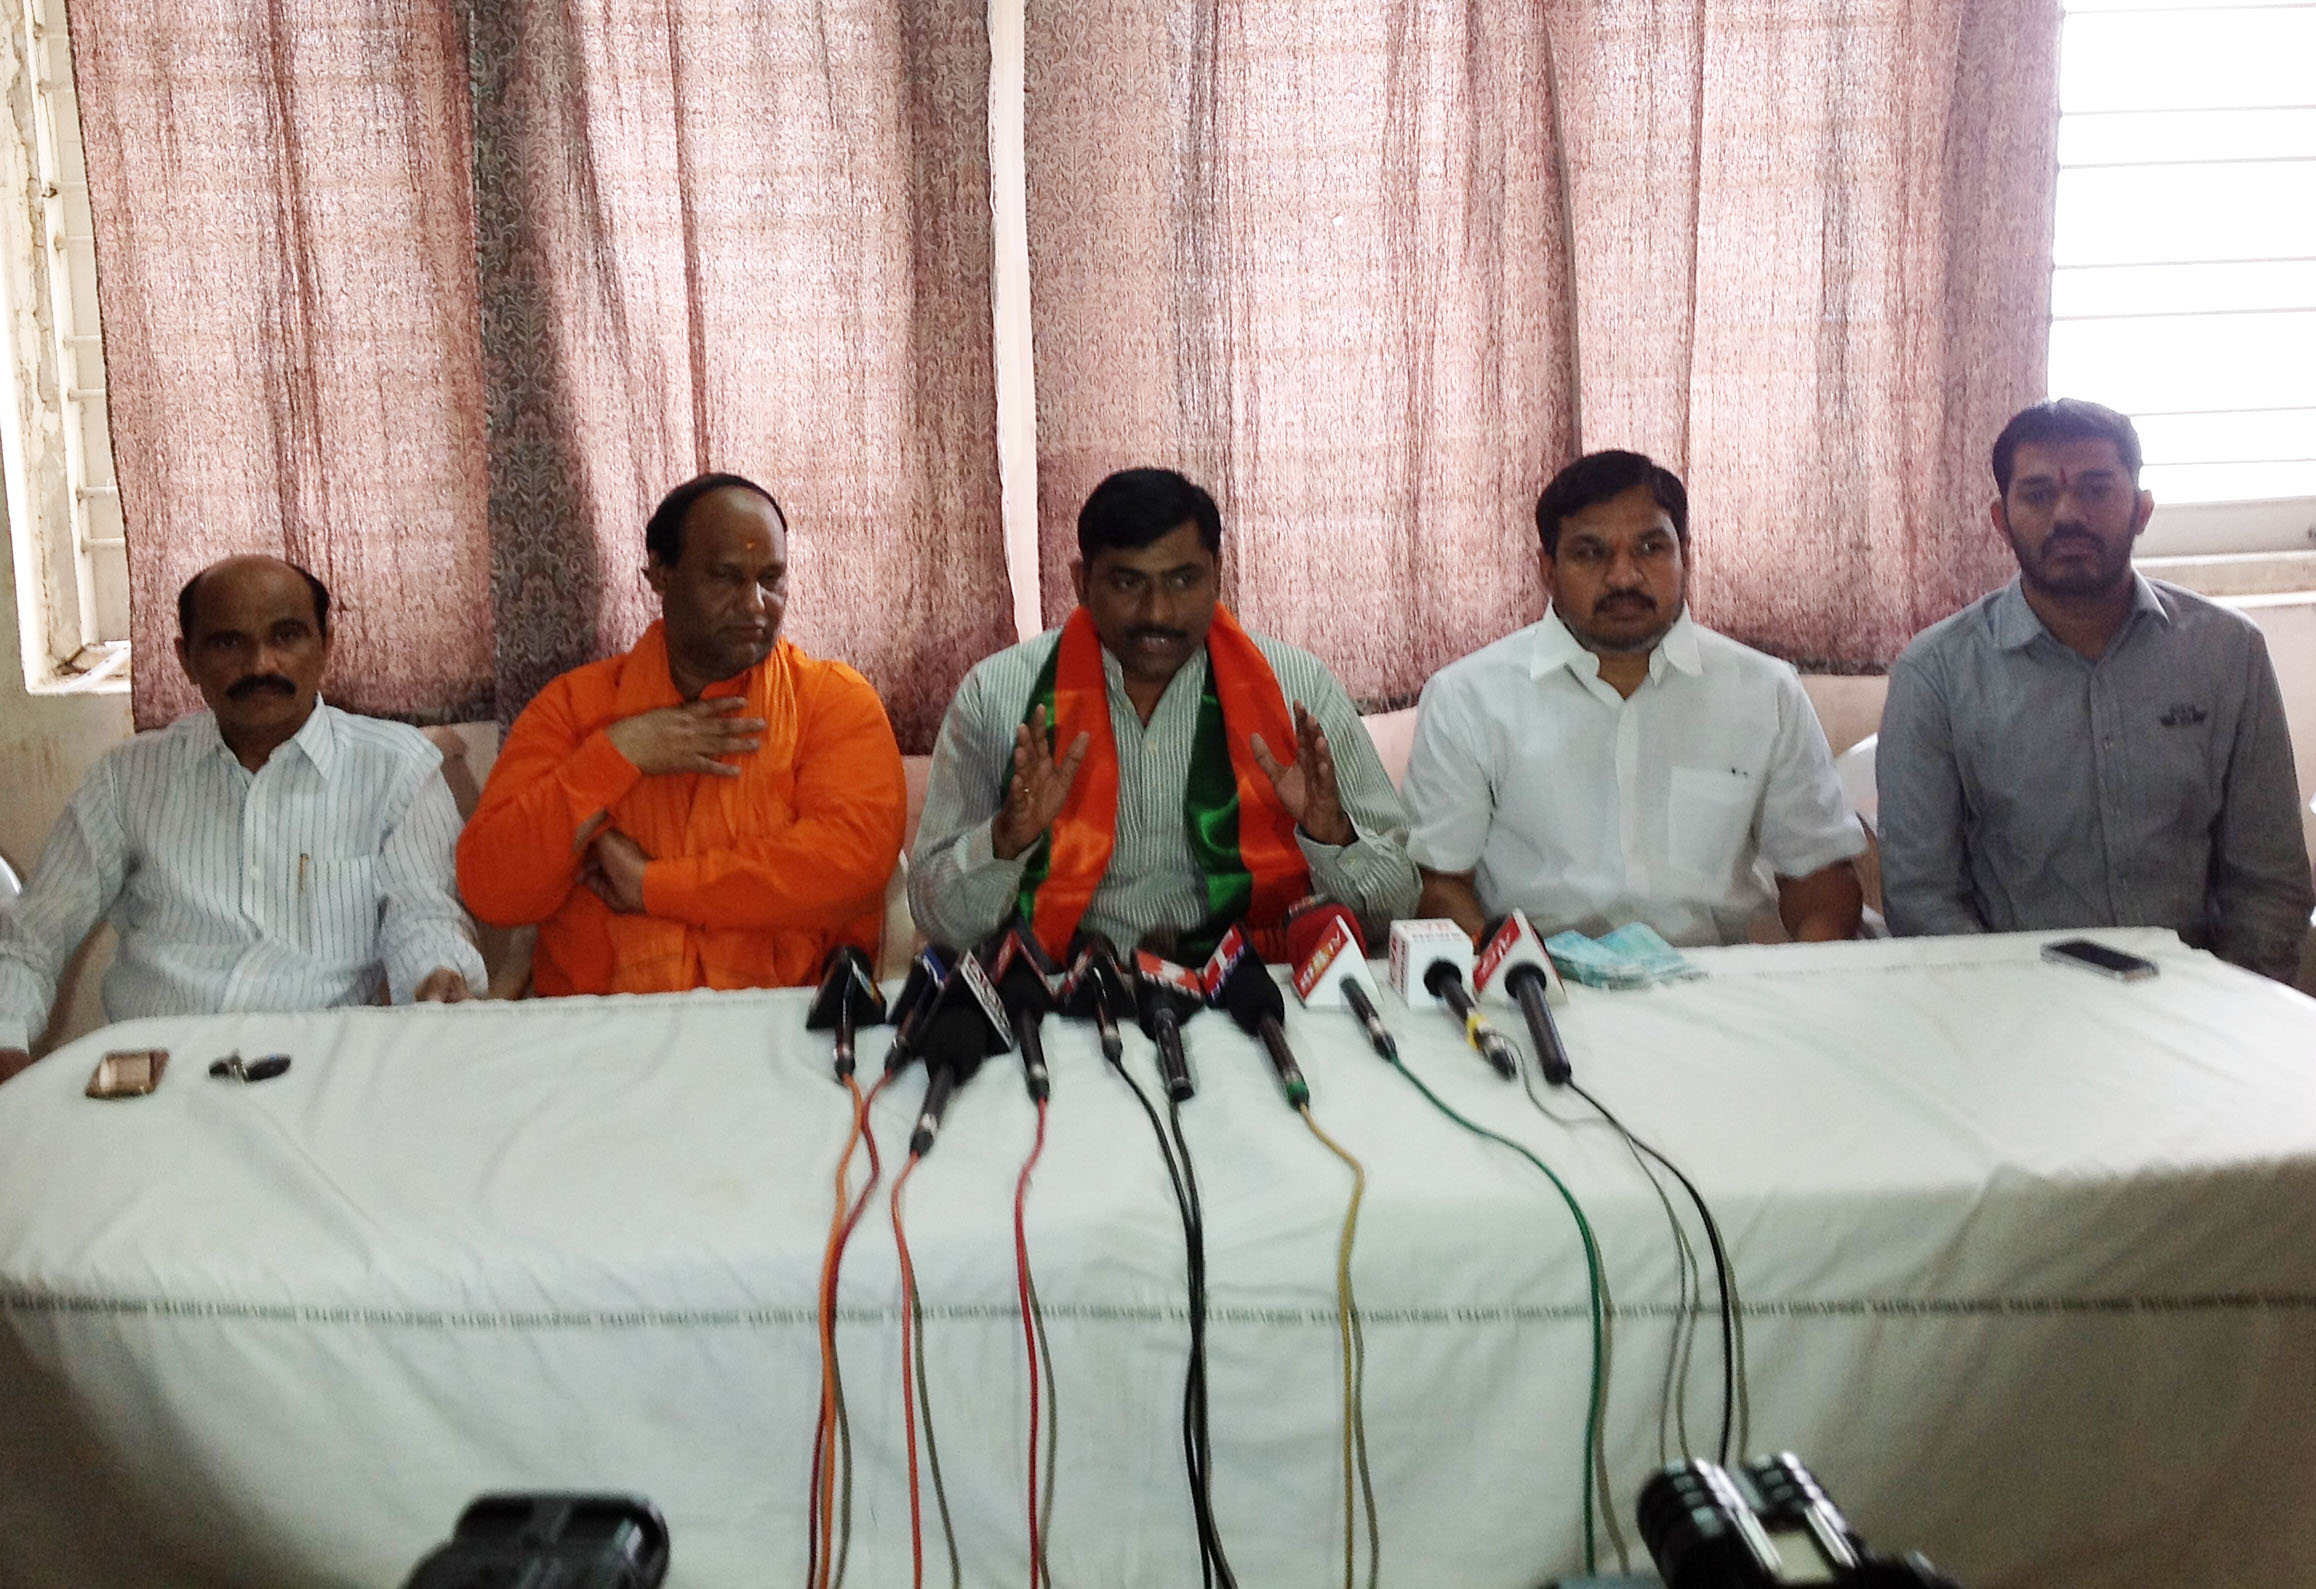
(2099,958)
(127,1073)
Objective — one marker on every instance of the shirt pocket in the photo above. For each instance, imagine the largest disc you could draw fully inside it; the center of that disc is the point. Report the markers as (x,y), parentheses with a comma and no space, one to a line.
(1707,817)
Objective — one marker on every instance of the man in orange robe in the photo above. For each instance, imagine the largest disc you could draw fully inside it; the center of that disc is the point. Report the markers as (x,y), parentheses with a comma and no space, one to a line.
(713,809)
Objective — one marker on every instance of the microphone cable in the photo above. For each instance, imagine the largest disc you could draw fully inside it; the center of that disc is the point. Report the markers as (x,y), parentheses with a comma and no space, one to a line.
(1724,1273)
(1197,1448)
(1033,1333)
(1211,1562)
(915,1397)
(1596,1403)
(826,1548)
(1354,1373)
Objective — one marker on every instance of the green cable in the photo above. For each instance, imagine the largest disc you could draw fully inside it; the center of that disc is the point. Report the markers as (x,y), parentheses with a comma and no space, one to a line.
(932,1451)
(1594,1404)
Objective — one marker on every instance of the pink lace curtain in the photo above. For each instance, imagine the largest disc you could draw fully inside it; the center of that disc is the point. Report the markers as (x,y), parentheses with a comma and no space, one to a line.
(285,255)
(1373,272)
(751,238)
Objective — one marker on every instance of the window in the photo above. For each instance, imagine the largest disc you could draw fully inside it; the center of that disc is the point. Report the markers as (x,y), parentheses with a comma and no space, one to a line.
(64,510)
(2183,287)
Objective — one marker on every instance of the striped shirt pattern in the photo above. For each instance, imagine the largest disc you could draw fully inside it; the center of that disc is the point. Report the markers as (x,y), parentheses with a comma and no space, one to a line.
(315,881)
(959,890)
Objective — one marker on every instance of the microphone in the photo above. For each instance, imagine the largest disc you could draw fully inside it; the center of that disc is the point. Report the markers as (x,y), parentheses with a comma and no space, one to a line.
(848,997)
(1166,995)
(1238,985)
(1096,986)
(928,975)
(1330,959)
(1514,966)
(966,1026)
(1433,954)
(1024,979)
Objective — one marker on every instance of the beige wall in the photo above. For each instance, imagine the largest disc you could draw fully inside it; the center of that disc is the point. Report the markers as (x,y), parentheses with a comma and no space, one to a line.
(47,744)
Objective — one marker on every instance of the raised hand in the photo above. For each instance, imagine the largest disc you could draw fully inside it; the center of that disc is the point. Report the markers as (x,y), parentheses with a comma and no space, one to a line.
(1040,787)
(1307,785)
(688,738)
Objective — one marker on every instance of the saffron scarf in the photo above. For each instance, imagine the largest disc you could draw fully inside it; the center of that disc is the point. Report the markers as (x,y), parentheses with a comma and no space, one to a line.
(1240,833)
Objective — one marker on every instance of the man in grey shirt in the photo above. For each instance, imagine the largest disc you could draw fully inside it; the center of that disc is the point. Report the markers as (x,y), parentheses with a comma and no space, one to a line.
(1151,769)
(2087,747)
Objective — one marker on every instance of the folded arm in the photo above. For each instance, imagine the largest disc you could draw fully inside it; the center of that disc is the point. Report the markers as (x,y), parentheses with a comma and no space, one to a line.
(522,850)
(828,867)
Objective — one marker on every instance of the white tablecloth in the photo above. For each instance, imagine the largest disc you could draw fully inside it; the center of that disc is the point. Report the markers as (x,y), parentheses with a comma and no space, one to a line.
(2028,1259)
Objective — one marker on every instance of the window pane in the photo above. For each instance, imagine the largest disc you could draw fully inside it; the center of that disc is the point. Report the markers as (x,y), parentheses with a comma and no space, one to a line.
(2159,289)
(2148,60)
(2187,135)
(2228,482)
(2147,214)
(2225,361)
(2266,435)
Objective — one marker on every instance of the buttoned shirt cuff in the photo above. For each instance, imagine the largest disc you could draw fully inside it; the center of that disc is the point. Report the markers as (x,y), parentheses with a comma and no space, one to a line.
(15,1034)
(1340,870)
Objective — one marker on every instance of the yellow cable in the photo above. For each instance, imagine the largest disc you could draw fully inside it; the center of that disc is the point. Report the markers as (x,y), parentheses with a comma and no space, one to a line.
(1354,1372)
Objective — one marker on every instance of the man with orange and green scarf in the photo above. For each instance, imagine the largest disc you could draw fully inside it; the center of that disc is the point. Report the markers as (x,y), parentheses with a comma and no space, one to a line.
(1151,769)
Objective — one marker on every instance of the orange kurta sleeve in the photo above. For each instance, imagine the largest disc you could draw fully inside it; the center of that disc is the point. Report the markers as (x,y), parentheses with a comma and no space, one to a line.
(828,868)
(516,859)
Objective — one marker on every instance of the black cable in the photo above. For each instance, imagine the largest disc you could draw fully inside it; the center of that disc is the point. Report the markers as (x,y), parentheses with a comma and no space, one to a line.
(1194,1378)
(1723,1279)
(1205,1500)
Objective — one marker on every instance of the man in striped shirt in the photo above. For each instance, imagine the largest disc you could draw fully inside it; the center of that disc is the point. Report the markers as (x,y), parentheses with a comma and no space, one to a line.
(270,853)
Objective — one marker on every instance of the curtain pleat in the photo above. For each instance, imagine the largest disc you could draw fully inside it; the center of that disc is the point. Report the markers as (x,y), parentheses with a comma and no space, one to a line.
(752,238)
(285,251)
(1312,255)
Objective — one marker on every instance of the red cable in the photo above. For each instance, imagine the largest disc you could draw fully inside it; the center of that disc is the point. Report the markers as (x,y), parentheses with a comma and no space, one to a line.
(1029,1325)
(820,1520)
(908,1378)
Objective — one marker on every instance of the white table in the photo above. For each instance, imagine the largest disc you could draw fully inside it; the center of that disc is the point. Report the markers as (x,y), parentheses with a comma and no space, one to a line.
(2029,1259)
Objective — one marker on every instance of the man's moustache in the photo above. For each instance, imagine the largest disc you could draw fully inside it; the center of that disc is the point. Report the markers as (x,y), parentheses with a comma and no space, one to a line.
(272,683)
(1626,602)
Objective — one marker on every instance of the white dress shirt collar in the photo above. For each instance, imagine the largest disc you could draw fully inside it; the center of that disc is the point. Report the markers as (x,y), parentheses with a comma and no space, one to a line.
(1557,647)
(316,739)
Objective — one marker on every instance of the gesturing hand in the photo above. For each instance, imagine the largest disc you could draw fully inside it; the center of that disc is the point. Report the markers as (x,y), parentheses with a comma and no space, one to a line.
(1307,787)
(1040,786)
(688,738)
(614,871)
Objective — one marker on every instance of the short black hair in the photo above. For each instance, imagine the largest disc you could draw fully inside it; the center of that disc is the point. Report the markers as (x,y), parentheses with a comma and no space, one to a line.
(1134,507)
(1598,476)
(663,533)
(2064,419)
(192,589)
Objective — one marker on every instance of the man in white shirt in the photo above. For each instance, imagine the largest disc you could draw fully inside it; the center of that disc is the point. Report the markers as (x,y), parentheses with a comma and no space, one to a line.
(1617,762)
(271,853)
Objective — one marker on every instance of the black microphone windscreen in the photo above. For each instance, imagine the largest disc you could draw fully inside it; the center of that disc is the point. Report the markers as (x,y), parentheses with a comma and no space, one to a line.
(1248,995)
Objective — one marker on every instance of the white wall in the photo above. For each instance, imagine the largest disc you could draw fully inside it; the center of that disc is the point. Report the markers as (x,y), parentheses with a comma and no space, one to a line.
(47,745)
